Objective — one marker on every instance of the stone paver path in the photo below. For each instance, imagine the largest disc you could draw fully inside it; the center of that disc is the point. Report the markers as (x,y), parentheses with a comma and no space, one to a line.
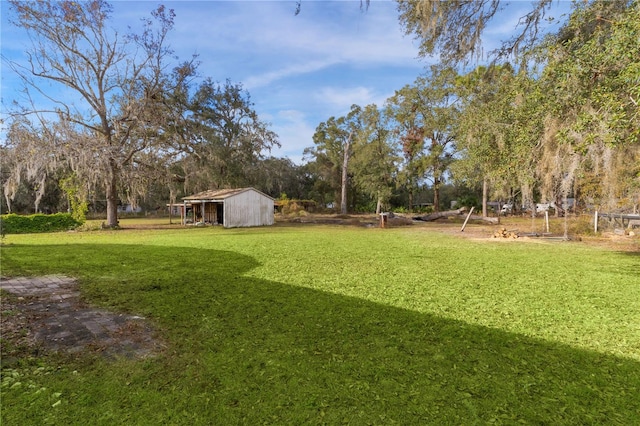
(55,287)
(61,322)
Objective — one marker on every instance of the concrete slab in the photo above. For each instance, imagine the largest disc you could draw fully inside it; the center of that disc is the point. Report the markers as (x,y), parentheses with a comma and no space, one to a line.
(61,322)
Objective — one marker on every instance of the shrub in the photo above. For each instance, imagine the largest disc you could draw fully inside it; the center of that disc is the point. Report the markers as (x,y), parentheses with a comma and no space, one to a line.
(17,224)
(76,196)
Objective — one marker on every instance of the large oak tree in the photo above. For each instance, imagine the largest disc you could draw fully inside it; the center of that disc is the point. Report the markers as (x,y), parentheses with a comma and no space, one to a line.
(106,88)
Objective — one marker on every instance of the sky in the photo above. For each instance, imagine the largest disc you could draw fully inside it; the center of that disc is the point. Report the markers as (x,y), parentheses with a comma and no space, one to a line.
(299,69)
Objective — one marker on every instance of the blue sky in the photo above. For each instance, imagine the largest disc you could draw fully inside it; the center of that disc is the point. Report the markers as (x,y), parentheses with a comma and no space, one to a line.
(300,70)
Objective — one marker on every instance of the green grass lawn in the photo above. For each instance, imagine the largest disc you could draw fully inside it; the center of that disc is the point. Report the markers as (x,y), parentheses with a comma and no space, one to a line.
(339,325)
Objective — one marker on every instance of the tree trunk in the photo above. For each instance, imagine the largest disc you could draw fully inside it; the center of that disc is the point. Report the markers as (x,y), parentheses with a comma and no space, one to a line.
(8,200)
(345,166)
(494,220)
(112,199)
(379,206)
(436,194)
(485,192)
(438,215)
(566,214)
(172,200)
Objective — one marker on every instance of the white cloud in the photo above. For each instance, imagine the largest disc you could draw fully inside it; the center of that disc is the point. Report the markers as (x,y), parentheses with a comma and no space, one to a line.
(259,80)
(341,99)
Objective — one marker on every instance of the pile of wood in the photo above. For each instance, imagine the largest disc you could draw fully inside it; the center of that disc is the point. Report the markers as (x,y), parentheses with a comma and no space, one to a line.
(503,233)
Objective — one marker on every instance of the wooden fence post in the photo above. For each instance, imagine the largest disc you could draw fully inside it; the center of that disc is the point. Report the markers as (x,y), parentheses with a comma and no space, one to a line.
(466,220)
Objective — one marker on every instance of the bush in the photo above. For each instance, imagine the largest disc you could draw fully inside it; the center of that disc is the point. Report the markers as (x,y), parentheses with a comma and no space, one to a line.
(400,209)
(17,224)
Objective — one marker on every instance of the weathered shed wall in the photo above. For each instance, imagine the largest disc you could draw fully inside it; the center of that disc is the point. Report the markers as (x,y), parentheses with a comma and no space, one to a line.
(248,208)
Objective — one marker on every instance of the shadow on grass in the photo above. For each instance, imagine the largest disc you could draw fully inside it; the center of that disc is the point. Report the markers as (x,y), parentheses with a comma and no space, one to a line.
(250,351)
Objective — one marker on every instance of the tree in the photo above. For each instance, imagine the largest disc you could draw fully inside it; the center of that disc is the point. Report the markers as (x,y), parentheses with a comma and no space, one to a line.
(426,117)
(227,140)
(592,75)
(332,151)
(454,29)
(26,161)
(486,128)
(597,56)
(374,160)
(412,166)
(568,124)
(277,176)
(112,88)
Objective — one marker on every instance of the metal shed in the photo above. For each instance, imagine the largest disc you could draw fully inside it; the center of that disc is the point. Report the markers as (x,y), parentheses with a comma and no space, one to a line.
(231,208)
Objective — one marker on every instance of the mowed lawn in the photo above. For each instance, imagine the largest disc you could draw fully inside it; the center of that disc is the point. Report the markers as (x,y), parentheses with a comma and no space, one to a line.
(339,325)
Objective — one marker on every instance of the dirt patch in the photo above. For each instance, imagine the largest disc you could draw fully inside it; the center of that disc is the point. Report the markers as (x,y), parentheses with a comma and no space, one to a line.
(485,232)
(527,231)
(358,220)
(47,314)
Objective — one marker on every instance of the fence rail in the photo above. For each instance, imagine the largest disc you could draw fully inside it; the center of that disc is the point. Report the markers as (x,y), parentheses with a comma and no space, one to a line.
(617,220)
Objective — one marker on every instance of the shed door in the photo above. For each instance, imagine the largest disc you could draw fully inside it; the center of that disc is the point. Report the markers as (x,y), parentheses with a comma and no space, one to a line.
(220,213)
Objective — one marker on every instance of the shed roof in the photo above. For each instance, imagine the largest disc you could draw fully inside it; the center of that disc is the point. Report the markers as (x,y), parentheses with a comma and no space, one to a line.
(220,194)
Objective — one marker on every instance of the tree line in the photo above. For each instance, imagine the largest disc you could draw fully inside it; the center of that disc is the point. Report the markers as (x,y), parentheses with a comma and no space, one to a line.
(558,120)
